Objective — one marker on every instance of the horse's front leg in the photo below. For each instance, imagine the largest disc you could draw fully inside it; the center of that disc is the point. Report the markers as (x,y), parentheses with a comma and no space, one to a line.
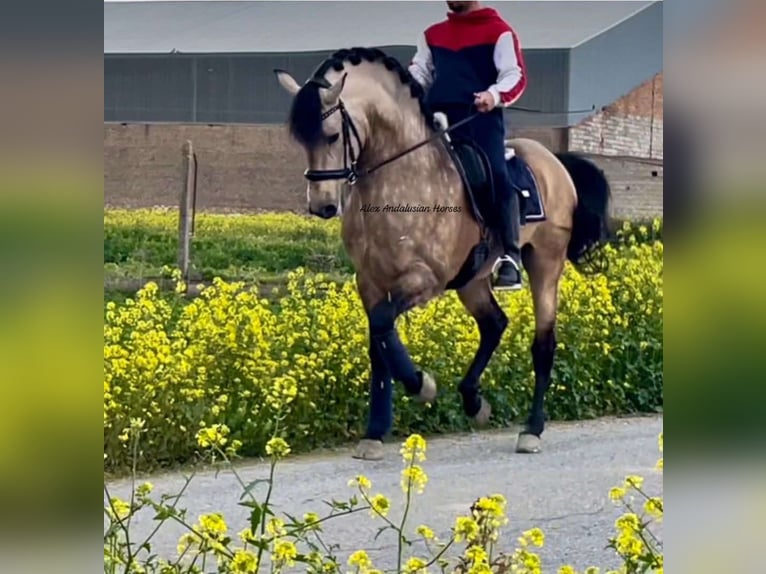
(380,416)
(389,360)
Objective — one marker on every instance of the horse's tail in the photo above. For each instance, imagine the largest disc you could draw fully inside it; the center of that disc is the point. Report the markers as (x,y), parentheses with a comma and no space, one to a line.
(590,226)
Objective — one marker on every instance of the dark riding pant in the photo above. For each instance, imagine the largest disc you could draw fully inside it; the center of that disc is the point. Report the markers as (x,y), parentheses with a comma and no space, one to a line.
(488,132)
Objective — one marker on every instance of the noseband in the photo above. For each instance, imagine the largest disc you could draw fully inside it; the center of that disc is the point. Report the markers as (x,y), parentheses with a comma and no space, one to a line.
(349,172)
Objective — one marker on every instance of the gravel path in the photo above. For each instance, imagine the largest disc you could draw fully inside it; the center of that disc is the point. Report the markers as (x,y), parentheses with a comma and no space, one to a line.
(561,490)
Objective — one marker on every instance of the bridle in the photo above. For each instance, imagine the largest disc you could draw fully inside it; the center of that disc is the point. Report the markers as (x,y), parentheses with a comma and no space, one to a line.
(351,172)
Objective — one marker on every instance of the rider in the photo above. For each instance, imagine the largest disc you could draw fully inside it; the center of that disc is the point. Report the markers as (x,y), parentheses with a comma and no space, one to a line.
(473,58)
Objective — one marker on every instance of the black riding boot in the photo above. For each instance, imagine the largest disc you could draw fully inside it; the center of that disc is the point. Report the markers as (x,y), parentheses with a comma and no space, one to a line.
(509,274)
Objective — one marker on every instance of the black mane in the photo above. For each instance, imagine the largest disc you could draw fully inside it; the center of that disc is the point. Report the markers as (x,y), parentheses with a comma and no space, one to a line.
(305,118)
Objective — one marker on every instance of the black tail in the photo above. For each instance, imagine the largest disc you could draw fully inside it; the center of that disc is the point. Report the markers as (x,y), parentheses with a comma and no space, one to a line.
(590,228)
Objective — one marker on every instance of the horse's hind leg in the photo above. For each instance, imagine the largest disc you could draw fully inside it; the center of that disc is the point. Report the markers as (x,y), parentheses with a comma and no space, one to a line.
(544,267)
(478,298)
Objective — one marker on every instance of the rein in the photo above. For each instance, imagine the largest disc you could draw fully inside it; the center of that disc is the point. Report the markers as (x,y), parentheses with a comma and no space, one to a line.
(351,173)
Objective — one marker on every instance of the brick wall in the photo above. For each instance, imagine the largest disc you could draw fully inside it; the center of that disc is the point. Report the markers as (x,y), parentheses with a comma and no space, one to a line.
(241,167)
(247,168)
(631,126)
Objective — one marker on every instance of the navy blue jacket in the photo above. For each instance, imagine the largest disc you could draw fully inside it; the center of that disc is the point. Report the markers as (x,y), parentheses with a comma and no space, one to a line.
(468,53)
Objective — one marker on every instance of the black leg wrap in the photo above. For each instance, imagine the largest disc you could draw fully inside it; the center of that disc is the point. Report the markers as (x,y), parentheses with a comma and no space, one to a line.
(543,351)
(381,404)
(471,401)
(391,349)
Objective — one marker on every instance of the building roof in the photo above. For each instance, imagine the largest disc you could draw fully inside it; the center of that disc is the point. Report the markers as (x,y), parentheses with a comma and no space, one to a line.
(205,27)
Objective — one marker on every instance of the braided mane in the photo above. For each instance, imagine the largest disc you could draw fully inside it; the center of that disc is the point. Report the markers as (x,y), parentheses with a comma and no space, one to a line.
(305,118)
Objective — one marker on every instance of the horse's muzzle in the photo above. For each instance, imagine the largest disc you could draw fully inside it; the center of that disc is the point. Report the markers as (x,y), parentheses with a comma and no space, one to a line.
(325,212)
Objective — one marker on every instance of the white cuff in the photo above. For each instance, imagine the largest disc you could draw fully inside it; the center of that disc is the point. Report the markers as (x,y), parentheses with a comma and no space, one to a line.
(495,94)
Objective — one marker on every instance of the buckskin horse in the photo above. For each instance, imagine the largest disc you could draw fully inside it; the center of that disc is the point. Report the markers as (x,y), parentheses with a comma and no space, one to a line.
(371,142)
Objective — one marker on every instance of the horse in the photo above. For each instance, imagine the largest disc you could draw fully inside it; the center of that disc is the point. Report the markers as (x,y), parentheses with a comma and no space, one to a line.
(409,197)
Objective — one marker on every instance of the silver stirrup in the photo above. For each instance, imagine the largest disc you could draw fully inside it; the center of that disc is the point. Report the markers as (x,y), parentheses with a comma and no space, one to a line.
(504,259)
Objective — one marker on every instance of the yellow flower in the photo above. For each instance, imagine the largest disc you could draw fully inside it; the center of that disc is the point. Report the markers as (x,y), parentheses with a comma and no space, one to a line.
(362,481)
(145,489)
(380,504)
(212,524)
(311,519)
(592,570)
(415,565)
(414,448)
(277,448)
(413,477)
(567,570)
(284,553)
(476,554)
(186,542)
(628,522)
(536,536)
(660,464)
(629,544)
(212,436)
(480,568)
(360,559)
(616,494)
(653,507)
(275,527)
(244,562)
(425,532)
(465,529)
(633,481)
(121,508)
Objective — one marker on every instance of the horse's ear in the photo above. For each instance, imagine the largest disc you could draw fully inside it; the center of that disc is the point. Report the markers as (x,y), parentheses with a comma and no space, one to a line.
(287,81)
(331,94)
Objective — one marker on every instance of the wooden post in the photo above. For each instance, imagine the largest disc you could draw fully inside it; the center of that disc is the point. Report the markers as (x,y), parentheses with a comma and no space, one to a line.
(186,211)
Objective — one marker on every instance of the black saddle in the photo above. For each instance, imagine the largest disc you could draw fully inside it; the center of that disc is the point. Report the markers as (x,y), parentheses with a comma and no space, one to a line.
(473,165)
(474,168)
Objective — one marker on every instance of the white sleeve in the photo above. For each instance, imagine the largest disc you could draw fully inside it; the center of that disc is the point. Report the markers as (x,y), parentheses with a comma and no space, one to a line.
(511,76)
(421,67)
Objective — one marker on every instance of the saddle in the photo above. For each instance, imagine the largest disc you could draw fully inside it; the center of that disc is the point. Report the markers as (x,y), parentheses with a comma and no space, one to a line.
(474,168)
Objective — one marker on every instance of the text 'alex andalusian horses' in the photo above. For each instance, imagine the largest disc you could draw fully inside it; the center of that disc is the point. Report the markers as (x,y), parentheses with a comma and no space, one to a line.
(370,143)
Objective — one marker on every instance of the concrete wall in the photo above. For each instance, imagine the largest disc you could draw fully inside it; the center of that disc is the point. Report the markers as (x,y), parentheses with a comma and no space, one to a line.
(632,126)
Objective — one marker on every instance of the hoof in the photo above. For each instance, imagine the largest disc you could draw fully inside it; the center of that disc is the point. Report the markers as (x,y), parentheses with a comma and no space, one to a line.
(482,417)
(427,392)
(528,443)
(368,449)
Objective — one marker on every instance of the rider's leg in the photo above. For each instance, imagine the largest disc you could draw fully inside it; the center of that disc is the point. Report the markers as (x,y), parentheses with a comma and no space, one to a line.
(489,131)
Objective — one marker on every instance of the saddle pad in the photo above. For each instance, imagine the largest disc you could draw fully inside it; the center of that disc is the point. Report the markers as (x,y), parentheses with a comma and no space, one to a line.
(523,179)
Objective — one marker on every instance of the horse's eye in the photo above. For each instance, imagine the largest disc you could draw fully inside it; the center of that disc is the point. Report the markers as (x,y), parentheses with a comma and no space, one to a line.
(332,139)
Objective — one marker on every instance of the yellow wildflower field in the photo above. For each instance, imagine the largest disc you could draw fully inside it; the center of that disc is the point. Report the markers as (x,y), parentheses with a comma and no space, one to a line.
(234,357)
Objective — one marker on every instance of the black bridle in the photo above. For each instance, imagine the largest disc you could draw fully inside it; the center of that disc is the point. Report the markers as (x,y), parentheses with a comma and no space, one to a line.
(351,173)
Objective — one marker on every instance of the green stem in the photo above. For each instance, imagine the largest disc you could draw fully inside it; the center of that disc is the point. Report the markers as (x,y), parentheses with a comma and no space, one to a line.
(404,516)
(326,518)
(441,552)
(132,499)
(173,506)
(266,506)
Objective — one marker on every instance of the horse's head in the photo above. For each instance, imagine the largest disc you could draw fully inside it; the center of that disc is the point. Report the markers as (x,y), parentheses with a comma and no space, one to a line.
(331,136)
